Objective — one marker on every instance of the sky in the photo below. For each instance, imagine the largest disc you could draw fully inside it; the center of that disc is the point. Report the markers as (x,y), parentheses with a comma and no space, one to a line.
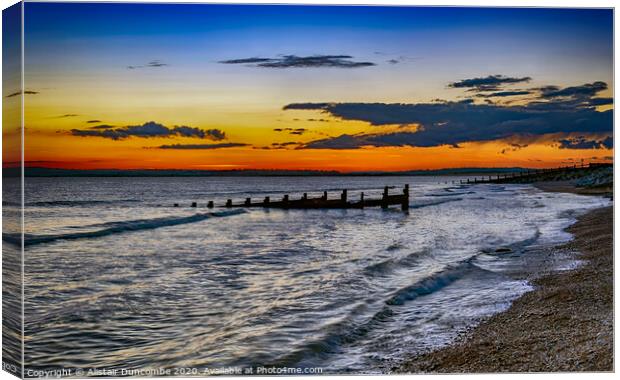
(192,86)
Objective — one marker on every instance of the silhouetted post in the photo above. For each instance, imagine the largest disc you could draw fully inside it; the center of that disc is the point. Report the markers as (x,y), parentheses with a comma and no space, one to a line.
(285,200)
(343,196)
(325,195)
(405,204)
(229,203)
(468,181)
(305,197)
(498,177)
(384,199)
(362,200)
(194,204)
(176,205)
(248,201)
(210,204)
(266,200)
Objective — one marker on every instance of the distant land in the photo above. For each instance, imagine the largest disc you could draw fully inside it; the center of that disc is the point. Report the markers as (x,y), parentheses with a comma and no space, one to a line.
(51,172)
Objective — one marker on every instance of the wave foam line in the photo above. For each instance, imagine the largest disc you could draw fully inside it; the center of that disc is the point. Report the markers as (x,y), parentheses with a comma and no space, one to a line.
(118,227)
(427,204)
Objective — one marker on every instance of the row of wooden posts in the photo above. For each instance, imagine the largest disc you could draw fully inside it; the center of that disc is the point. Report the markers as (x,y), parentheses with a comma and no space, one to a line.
(499,178)
(323,202)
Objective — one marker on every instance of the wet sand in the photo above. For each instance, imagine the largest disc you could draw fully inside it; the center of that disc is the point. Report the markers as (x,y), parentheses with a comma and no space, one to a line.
(565,324)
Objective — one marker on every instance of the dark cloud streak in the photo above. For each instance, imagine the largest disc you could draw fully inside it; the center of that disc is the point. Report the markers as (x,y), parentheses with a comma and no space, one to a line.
(489,83)
(27,92)
(148,130)
(294,61)
(202,146)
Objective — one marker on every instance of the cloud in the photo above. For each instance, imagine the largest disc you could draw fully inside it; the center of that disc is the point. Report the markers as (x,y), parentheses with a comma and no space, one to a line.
(450,123)
(582,142)
(202,146)
(246,60)
(147,130)
(513,147)
(27,92)
(489,83)
(601,101)
(102,126)
(292,131)
(67,115)
(504,94)
(284,145)
(151,64)
(93,121)
(294,61)
(587,90)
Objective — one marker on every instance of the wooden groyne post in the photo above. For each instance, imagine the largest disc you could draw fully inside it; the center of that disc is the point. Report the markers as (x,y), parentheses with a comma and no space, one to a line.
(405,205)
(384,199)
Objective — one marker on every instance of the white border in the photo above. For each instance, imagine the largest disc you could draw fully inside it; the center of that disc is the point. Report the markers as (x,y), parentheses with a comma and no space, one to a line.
(467,3)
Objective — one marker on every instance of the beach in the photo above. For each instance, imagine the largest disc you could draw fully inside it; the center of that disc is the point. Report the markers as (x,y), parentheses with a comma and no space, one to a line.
(565,324)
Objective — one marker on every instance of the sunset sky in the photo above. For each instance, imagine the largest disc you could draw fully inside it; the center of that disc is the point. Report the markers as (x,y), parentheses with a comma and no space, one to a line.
(314,87)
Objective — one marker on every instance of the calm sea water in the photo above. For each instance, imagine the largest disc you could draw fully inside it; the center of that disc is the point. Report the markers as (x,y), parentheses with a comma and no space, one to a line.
(118,278)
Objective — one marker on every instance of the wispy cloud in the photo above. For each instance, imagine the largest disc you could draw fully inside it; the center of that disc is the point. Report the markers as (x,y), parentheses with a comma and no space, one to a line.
(27,92)
(294,61)
(103,126)
(147,130)
(202,146)
(151,64)
(292,131)
(582,142)
(502,94)
(586,90)
(283,145)
(93,121)
(488,83)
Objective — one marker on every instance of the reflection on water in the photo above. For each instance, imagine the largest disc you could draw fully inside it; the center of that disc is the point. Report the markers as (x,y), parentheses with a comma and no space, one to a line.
(127,281)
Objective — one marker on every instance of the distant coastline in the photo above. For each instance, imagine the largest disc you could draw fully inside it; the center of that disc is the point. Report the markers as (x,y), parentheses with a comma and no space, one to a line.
(56,172)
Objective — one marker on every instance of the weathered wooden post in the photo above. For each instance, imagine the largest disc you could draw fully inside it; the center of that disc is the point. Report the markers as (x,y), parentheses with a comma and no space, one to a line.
(405,204)
(248,201)
(210,204)
(229,203)
(194,204)
(266,202)
(384,199)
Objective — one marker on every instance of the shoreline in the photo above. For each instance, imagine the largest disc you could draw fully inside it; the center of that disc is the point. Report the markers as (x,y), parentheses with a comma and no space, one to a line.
(564,324)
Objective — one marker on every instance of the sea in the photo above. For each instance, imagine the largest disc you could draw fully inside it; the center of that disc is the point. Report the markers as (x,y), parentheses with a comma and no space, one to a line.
(116,277)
